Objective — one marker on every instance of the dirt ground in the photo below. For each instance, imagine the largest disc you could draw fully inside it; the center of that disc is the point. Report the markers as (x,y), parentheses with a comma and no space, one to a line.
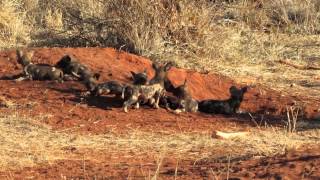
(64,109)
(294,165)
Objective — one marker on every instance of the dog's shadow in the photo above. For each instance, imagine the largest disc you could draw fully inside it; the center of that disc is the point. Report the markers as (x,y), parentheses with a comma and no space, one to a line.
(11,77)
(102,102)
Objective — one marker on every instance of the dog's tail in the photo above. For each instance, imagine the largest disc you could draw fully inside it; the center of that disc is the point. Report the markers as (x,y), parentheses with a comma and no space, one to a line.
(123,91)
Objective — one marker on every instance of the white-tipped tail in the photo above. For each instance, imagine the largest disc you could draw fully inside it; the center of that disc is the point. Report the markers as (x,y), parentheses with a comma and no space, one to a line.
(122,94)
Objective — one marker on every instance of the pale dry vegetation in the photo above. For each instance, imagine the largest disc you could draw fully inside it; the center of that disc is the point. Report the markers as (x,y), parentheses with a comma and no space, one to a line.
(27,142)
(243,39)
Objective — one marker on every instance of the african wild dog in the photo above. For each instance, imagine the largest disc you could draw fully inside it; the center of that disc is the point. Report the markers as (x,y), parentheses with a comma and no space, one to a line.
(229,106)
(90,81)
(115,88)
(140,78)
(109,87)
(184,102)
(37,71)
(71,66)
(149,93)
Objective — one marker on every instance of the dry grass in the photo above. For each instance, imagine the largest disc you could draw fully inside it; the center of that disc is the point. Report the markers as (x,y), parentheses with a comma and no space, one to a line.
(241,39)
(27,142)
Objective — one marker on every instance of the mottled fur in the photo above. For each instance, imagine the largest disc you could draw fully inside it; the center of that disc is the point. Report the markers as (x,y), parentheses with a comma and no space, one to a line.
(149,93)
(90,81)
(37,71)
(145,93)
(186,102)
(140,78)
(110,87)
(71,66)
(170,102)
(161,72)
(229,106)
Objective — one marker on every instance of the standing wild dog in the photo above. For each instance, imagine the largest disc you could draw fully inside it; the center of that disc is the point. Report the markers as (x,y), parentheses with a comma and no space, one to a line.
(148,93)
(140,78)
(37,71)
(229,106)
(185,102)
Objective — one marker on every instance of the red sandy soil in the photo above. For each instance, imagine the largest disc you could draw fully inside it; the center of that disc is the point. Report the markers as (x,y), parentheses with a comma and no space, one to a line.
(65,109)
(293,165)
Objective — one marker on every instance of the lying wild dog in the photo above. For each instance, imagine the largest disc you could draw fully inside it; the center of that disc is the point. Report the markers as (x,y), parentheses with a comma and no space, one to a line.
(37,71)
(90,81)
(119,90)
(170,102)
(148,93)
(71,66)
(109,87)
(229,106)
(185,101)
(140,78)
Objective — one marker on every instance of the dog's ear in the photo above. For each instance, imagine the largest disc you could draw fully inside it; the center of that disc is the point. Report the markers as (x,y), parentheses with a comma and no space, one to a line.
(185,84)
(133,74)
(67,58)
(233,90)
(155,66)
(96,76)
(19,53)
(168,66)
(244,89)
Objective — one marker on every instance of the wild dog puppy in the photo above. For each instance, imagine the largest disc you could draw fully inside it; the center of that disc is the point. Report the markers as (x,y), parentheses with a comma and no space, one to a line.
(161,72)
(229,106)
(140,78)
(169,102)
(72,66)
(109,87)
(149,93)
(90,81)
(185,101)
(37,71)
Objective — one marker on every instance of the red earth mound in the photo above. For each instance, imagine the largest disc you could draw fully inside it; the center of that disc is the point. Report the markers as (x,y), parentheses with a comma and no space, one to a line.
(115,65)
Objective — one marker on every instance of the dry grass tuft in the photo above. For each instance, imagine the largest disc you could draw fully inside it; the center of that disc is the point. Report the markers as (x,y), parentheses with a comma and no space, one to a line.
(13,30)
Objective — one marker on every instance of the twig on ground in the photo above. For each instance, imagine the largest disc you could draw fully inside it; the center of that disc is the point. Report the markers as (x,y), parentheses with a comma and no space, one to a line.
(301,67)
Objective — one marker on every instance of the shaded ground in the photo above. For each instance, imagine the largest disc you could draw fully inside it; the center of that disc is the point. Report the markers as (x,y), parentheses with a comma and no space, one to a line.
(62,107)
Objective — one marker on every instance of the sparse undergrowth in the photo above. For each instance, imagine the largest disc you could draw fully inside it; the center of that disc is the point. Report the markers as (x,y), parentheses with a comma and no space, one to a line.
(27,142)
(242,39)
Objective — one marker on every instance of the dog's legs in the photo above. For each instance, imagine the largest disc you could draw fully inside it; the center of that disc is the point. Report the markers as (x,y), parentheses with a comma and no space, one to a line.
(137,106)
(182,103)
(132,100)
(60,80)
(30,78)
(21,78)
(157,99)
(151,101)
